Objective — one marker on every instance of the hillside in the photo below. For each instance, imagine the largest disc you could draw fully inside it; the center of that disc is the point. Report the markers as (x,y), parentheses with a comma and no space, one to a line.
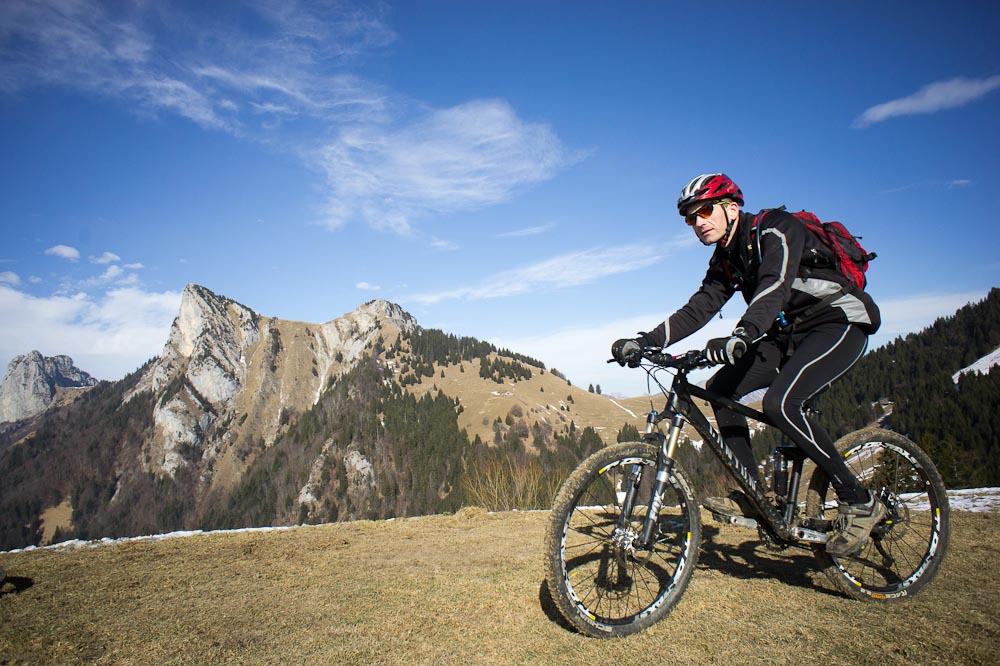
(954,419)
(245,419)
(466,589)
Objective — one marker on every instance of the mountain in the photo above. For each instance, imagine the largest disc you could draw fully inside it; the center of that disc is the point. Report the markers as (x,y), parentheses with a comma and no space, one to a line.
(33,382)
(227,374)
(244,419)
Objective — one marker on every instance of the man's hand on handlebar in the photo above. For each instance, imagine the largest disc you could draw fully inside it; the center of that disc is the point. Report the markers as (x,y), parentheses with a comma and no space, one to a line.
(628,350)
(728,350)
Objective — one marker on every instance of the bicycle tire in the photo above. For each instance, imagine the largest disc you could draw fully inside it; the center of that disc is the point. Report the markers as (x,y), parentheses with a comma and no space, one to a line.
(908,547)
(599,588)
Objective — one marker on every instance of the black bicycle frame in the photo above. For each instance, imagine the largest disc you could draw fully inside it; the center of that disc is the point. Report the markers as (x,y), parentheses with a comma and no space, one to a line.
(680,408)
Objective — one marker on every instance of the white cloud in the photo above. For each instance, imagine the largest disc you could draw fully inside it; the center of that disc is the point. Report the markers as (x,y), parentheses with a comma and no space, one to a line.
(466,157)
(64,251)
(106,258)
(439,244)
(568,270)
(108,335)
(529,231)
(366,286)
(937,96)
(10,277)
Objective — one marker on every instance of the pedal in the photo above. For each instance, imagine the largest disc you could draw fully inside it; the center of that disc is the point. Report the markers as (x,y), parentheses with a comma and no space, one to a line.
(739,521)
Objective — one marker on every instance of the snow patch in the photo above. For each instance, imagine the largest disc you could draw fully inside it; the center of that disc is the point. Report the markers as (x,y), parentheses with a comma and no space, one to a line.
(979,500)
(626,409)
(982,366)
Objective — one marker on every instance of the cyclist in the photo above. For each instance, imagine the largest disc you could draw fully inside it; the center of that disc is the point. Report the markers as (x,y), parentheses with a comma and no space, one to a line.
(803,328)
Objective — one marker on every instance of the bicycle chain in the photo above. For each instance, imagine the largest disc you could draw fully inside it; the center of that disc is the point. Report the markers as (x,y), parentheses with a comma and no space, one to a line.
(768,540)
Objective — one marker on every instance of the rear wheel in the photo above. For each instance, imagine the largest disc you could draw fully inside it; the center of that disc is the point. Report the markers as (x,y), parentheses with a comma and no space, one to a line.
(908,546)
(604,582)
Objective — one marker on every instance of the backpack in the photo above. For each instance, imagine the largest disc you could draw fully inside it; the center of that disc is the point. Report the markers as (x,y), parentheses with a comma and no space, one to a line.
(846,254)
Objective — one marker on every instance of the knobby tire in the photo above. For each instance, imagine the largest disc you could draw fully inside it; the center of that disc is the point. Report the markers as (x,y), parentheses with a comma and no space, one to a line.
(908,547)
(600,587)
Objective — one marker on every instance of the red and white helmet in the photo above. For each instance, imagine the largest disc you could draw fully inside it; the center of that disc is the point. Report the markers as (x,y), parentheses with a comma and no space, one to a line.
(709,187)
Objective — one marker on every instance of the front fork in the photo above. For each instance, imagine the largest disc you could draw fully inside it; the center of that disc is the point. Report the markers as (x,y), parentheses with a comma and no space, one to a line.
(667,446)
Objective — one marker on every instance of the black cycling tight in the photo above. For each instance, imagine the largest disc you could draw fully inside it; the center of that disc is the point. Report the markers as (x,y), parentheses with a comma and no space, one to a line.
(819,356)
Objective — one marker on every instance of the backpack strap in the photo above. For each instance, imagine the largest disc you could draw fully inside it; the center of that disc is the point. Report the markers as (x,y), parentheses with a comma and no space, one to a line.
(755,231)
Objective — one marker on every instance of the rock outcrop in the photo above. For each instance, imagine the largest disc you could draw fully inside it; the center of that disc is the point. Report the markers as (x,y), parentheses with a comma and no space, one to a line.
(31,382)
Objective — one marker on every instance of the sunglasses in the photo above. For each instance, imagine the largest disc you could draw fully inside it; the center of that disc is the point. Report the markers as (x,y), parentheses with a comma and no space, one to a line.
(704,212)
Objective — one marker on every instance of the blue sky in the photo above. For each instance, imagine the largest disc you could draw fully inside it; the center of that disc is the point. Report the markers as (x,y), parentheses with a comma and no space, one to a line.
(507,171)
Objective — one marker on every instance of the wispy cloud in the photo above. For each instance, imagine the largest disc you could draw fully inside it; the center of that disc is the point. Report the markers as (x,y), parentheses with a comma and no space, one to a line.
(445,245)
(527,231)
(461,158)
(367,286)
(64,251)
(954,184)
(932,98)
(282,72)
(10,277)
(568,270)
(210,68)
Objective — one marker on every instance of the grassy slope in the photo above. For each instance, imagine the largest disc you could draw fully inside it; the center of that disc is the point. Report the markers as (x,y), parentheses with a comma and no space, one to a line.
(543,398)
(465,589)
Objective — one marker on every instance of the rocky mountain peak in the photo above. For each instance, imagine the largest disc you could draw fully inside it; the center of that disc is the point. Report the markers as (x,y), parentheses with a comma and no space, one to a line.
(225,364)
(389,312)
(29,386)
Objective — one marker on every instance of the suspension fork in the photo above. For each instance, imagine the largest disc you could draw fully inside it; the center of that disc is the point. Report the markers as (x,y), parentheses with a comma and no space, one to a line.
(667,446)
(635,474)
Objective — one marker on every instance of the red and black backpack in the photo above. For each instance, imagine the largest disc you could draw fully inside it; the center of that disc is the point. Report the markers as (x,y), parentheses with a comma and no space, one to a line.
(846,254)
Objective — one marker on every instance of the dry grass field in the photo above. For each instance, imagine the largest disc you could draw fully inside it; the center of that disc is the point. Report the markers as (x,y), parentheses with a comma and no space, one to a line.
(466,589)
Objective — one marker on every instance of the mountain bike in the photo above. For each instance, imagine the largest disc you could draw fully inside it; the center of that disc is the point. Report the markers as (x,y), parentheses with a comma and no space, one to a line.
(625,529)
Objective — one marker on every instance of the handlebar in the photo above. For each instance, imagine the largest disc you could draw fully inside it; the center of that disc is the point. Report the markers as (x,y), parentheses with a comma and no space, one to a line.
(691,360)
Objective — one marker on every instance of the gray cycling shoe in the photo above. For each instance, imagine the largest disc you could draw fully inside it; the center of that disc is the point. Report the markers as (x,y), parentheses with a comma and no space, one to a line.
(736,504)
(853,527)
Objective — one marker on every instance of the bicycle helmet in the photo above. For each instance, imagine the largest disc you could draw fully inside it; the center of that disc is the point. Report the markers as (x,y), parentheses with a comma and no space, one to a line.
(708,187)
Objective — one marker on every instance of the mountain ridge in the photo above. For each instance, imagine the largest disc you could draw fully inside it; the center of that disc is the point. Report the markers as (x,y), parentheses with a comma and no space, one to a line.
(247,419)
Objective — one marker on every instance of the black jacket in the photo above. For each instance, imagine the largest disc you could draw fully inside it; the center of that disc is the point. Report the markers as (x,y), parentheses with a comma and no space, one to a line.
(779,277)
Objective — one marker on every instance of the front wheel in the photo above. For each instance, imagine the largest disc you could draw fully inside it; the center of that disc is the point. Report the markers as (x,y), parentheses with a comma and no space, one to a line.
(605,582)
(909,545)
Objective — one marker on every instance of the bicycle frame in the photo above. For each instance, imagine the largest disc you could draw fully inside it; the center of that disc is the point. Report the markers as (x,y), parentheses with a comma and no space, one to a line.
(680,409)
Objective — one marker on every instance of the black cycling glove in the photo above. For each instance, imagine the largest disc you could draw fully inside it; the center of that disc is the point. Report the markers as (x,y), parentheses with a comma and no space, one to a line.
(728,350)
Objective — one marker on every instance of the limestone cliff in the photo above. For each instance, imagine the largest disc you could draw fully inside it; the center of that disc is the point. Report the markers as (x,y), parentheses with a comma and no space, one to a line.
(31,383)
(228,379)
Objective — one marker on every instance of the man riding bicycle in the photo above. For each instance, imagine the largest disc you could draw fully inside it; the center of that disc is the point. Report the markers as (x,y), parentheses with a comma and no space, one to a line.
(803,328)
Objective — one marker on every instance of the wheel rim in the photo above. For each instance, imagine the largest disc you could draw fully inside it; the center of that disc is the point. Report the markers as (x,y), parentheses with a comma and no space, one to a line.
(610,582)
(906,543)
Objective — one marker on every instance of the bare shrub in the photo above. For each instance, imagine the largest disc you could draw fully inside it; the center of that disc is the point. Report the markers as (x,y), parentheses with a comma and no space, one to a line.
(502,485)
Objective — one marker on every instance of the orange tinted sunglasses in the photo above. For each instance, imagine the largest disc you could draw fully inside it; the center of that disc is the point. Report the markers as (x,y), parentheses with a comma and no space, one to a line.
(703,212)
